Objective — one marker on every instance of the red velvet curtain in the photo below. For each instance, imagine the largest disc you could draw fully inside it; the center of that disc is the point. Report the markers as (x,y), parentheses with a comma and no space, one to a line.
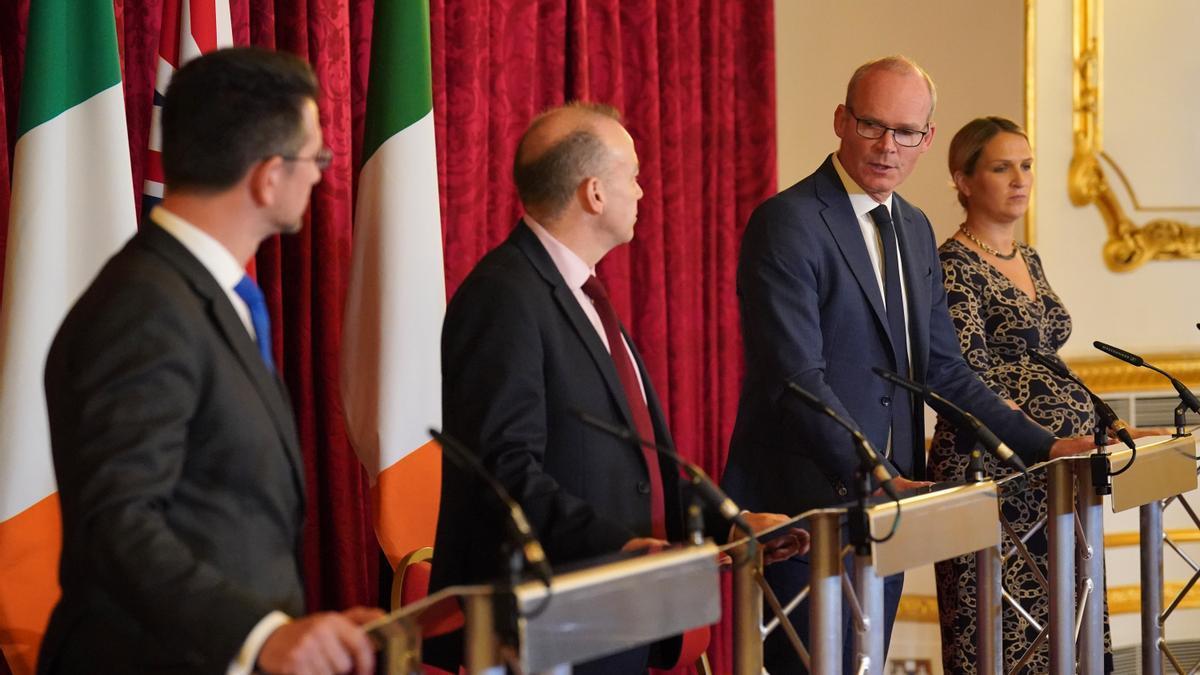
(696,82)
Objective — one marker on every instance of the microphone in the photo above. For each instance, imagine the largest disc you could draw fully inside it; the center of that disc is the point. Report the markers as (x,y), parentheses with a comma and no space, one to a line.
(708,490)
(1185,395)
(532,549)
(1118,353)
(866,453)
(961,418)
(1108,418)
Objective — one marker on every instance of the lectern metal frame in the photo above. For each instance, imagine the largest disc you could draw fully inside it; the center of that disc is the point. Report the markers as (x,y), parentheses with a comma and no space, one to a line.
(591,612)
(974,527)
(1165,469)
(1062,525)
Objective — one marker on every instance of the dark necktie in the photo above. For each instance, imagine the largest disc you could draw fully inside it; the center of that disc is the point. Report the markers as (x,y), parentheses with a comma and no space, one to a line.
(249,292)
(901,404)
(633,396)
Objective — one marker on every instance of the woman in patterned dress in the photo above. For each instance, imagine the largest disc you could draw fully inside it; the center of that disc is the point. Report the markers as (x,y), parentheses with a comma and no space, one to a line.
(1002,306)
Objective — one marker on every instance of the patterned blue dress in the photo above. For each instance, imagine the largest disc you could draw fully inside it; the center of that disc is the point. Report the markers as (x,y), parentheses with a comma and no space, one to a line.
(997,324)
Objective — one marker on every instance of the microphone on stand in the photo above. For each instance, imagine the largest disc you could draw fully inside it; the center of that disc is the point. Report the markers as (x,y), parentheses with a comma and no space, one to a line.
(1185,395)
(708,490)
(866,453)
(529,545)
(1108,418)
(961,418)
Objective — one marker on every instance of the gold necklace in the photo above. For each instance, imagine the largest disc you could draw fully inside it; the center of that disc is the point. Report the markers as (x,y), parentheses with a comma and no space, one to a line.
(987,249)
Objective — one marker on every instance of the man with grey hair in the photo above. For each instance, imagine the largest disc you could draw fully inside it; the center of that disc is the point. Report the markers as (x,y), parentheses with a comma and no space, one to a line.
(530,339)
(839,274)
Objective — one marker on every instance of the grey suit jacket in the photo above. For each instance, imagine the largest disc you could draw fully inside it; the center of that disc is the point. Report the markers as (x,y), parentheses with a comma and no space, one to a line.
(179,472)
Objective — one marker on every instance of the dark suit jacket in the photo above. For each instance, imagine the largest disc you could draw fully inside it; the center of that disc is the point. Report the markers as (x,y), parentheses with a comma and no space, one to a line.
(519,357)
(179,472)
(812,312)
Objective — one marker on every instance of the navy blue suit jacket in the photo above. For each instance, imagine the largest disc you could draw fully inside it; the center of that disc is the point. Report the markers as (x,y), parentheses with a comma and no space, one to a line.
(812,313)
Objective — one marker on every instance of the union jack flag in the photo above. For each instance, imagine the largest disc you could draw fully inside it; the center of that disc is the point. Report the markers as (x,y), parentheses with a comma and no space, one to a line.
(189,28)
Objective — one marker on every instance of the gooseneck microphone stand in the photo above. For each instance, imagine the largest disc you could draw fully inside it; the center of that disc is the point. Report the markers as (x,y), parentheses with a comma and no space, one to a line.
(989,640)
(1187,400)
(961,418)
(824,581)
(703,488)
(1105,419)
(518,548)
(869,465)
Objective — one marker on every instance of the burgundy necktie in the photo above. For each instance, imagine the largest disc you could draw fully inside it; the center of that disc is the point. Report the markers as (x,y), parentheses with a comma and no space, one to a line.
(633,396)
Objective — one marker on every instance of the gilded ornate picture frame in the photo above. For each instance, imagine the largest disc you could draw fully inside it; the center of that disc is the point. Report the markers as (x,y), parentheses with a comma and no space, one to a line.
(1129,244)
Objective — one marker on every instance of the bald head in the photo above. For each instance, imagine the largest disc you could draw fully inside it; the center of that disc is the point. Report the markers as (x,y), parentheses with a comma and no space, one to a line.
(897,65)
(561,148)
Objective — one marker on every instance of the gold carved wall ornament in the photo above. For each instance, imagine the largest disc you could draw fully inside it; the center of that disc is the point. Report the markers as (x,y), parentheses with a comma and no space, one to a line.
(1129,245)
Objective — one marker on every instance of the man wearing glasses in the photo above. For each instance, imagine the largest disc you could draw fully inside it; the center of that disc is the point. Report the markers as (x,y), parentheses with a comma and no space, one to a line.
(178,463)
(838,274)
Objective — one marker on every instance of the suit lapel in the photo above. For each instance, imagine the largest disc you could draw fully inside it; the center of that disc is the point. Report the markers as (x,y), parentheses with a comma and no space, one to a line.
(229,326)
(525,240)
(843,225)
(915,283)
(269,387)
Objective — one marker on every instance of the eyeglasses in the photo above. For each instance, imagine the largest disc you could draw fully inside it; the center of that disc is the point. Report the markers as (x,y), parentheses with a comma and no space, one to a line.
(322,159)
(909,138)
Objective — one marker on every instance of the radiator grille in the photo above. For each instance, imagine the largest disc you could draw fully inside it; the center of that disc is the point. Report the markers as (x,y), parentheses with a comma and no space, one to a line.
(1128,660)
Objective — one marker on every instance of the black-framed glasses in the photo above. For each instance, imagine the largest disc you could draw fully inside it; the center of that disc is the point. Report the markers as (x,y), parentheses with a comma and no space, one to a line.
(867,128)
(323,158)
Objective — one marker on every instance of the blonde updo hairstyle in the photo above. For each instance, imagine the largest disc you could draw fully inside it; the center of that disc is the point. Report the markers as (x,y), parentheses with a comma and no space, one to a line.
(968,144)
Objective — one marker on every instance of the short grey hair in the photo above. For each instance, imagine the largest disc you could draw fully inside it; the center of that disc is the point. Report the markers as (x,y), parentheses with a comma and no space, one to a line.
(549,180)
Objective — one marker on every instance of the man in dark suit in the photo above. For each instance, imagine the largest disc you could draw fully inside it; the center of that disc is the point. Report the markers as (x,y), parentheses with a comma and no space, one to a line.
(838,274)
(529,339)
(178,464)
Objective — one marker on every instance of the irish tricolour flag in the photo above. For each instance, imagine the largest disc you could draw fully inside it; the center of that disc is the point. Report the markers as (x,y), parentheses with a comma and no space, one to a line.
(391,370)
(72,208)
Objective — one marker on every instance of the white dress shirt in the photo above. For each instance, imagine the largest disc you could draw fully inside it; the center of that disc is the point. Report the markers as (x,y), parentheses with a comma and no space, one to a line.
(863,204)
(576,273)
(215,258)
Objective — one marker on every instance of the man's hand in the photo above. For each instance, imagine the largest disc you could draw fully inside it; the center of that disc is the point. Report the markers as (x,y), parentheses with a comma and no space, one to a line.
(901,484)
(320,644)
(782,547)
(1076,445)
(649,544)
(1143,432)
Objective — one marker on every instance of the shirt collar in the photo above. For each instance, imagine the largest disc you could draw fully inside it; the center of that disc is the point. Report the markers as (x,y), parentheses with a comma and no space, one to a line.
(860,201)
(217,259)
(572,268)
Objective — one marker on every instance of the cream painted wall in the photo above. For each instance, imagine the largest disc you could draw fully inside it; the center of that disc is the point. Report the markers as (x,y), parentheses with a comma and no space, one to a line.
(973,50)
